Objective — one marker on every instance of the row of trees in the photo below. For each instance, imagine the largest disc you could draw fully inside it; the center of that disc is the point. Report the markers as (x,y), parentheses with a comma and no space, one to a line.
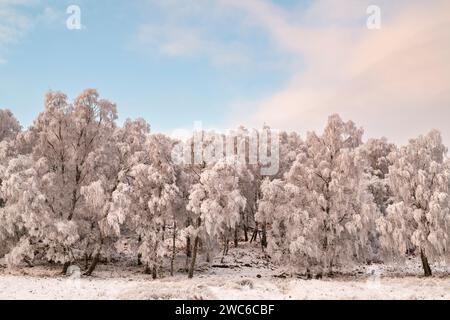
(76,188)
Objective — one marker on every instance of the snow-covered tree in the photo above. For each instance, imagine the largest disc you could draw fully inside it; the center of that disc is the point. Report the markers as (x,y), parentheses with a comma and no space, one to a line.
(187,175)
(9,129)
(376,153)
(291,145)
(12,187)
(418,220)
(217,202)
(152,198)
(322,215)
(16,188)
(282,206)
(67,139)
(75,187)
(198,153)
(261,147)
(108,194)
(9,126)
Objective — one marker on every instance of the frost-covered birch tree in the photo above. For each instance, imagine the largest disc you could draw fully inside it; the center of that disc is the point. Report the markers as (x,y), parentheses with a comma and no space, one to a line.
(9,126)
(322,214)
(66,138)
(261,146)
(9,129)
(199,153)
(152,197)
(376,153)
(107,196)
(217,203)
(17,189)
(418,220)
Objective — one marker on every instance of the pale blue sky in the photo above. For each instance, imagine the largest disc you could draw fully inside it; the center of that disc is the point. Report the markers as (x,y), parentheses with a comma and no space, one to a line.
(287,63)
(168,90)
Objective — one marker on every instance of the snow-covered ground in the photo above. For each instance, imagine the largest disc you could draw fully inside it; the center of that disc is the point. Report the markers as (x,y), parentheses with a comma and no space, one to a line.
(14,287)
(249,276)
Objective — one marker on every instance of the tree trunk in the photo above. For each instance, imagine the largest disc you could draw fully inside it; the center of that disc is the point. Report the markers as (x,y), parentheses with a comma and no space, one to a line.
(188,252)
(154,273)
(225,249)
(93,265)
(236,238)
(164,231)
(255,234)
(330,269)
(2,201)
(245,232)
(173,248)
(264,236)
(86,261)
(65,267)
(194,257)
(425,264)
(308,274)
(139,256)
(188,247)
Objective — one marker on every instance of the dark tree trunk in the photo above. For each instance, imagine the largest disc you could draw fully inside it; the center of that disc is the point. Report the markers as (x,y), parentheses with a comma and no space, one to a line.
(255,234)
(425,264)
(2,202)
(188,247)
(225,249)
(172,260)
(188,252)
(147,269)
(139,256)
(236,238)
(245,233)
(86,261)
(194,257)
(93,264)
(264,237)
(194,253)
(154,273)
(66,266)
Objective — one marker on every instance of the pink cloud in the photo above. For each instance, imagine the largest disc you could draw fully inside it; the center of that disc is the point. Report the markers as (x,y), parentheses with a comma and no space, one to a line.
(393,81)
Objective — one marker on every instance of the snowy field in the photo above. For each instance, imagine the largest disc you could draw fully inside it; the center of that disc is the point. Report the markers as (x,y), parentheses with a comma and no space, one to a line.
(247,276)
(221,287)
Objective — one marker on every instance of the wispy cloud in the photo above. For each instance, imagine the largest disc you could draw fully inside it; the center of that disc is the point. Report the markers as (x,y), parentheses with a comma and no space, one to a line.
(393,81)
(16,21)
(49,15)
(12,23)
(177,41)
(210,29)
